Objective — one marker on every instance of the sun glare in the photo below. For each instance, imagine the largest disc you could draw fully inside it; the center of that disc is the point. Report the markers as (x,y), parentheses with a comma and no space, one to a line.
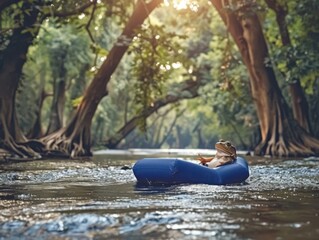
(182,4)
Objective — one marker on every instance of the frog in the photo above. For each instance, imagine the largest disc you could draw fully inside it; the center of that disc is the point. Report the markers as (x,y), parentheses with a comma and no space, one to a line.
(226,153)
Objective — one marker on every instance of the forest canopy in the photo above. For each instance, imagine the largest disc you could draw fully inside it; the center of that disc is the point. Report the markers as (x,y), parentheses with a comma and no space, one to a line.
(158,74)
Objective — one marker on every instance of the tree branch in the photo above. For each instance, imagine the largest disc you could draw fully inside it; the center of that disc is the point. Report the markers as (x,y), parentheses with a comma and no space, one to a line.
(87,27)
(189,86)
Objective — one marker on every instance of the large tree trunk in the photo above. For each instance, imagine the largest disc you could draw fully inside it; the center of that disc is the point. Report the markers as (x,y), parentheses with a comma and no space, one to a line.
(280,133)
(74,139)
(299,102)
(13,58)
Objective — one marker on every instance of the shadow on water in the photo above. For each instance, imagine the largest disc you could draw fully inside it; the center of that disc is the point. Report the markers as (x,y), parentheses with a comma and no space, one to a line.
(99,200)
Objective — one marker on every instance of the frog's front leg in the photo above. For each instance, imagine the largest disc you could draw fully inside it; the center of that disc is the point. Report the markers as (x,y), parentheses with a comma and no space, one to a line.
(204,160)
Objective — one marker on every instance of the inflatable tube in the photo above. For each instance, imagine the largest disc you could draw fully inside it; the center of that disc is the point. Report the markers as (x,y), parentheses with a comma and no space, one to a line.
(175,171)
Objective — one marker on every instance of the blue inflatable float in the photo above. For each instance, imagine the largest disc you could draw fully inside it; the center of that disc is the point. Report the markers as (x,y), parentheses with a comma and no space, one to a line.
(175,171)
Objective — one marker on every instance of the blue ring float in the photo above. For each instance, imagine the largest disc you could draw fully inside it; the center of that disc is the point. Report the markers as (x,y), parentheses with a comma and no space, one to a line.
(175,171)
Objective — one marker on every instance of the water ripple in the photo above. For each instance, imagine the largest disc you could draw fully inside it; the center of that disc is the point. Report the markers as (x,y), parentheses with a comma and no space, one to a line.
(87,200)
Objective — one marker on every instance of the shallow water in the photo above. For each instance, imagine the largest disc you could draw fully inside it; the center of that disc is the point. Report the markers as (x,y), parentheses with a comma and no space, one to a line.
(98,200)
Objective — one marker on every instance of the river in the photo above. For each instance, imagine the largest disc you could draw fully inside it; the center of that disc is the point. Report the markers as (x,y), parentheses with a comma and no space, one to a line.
(97,199)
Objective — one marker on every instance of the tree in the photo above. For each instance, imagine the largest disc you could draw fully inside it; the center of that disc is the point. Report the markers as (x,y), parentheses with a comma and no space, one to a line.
(74,139)
(187,90)
(299,102)
(280,133)
(69,57)
(159,60)
(24,19)
(13,57)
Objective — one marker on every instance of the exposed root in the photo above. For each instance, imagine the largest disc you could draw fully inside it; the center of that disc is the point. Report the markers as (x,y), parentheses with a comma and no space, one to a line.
(25,150)
(292,148)
(11,137)
(4,154)
(59,145)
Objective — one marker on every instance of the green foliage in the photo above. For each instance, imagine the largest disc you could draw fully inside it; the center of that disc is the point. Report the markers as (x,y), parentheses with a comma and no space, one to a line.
(299,60)
(307,49)
(58,48)
(76,102)
(173,45)
(66,46)
(156,52)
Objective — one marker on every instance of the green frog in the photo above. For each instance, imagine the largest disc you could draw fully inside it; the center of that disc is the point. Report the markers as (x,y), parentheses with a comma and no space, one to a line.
(226,153)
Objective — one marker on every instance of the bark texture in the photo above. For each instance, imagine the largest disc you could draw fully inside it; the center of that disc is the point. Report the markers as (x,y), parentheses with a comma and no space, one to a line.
(74,140)
(13,58)
(280,133)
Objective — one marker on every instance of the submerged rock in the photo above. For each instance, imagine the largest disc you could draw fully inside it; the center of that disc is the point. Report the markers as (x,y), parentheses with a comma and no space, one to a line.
(125,167)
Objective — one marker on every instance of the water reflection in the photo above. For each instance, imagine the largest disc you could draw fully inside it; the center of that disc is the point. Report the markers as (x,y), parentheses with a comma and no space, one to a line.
(97,199)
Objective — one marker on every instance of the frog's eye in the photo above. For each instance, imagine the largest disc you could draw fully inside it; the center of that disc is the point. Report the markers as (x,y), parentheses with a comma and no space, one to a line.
(228,144)
(221,140)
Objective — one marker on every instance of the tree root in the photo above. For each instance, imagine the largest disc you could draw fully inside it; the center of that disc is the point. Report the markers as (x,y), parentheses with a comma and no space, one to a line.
(60,146)
(26,150)
(308,146)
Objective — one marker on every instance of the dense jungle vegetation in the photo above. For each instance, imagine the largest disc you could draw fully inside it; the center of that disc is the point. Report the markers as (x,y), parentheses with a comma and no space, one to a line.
(158,74)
